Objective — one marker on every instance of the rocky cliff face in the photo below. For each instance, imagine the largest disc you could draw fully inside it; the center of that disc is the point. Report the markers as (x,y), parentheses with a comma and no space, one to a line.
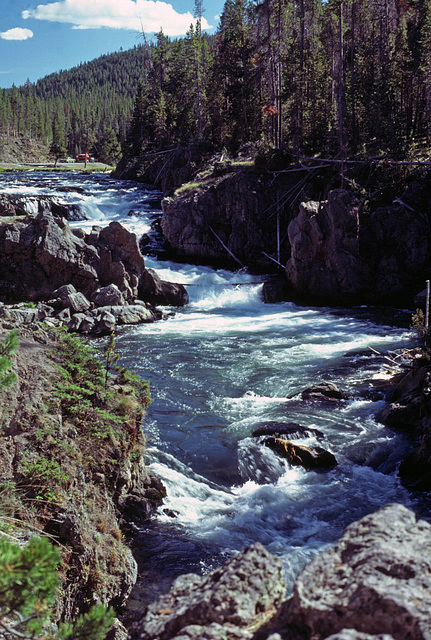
(373,583)
(409,410)
(230,219)
(340,253)
(67,474)
(341,250)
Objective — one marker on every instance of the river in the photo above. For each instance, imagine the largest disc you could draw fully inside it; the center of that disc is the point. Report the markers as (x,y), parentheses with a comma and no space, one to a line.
(220,367)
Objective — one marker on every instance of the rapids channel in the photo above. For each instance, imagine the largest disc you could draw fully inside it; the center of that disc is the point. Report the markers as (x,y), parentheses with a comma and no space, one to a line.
(224,365)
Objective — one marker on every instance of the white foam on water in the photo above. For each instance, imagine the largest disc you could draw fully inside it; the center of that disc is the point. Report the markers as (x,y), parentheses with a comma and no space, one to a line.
(295,515)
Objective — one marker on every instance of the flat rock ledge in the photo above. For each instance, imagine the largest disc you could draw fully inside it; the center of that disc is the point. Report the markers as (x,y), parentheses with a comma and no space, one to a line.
(70,308)
(375,582)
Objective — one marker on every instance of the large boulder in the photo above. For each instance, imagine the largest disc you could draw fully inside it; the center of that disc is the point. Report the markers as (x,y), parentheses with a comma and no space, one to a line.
(11,206)
(376,579)
(324,239)
(341,253)
(72,299)
(373,584)
(105,296)
(158,291)
(40,255)
(43,254)
(220,605)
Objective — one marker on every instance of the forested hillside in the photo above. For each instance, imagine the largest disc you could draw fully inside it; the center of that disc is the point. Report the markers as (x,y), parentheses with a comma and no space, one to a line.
(80,105)
(335,77)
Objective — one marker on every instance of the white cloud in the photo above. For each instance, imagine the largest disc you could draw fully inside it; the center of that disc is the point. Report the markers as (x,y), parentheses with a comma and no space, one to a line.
(16,34)
(136,15)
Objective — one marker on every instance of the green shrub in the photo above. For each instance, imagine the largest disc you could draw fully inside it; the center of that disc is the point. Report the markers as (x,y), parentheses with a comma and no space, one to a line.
(28,586)
(44,477)
(28,583)
(7,348)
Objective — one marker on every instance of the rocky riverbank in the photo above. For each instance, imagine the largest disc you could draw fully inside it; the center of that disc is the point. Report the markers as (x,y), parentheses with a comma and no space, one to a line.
(72,465)
(409,410)
(88,282)
(340,246)
(373,583)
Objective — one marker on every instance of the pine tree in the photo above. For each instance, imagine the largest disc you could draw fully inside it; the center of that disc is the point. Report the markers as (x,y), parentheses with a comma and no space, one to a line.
(57,147)
(135,136)
(426,66)
(232,75)
(28,587)
(110,150)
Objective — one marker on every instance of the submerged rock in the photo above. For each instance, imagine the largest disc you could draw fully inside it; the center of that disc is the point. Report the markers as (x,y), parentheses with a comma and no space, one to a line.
(300,455)
(323,391)
(291,429)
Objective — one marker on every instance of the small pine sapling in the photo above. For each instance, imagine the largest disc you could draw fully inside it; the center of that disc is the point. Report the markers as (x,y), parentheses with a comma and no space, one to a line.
(111,357)
(28,588)
(7,348)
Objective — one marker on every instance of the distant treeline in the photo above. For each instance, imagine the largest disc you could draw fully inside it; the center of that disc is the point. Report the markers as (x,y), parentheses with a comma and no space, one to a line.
(334,77)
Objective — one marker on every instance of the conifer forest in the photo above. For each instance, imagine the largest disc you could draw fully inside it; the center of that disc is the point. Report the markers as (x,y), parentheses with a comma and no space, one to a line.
(336,77)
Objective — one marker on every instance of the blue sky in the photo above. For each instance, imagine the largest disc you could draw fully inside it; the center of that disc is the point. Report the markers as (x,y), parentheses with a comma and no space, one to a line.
(38,38)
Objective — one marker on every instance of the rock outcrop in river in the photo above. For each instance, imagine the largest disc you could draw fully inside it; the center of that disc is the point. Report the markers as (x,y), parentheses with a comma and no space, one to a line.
(340,253)
(375,580)
(229,219)
(41,254)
